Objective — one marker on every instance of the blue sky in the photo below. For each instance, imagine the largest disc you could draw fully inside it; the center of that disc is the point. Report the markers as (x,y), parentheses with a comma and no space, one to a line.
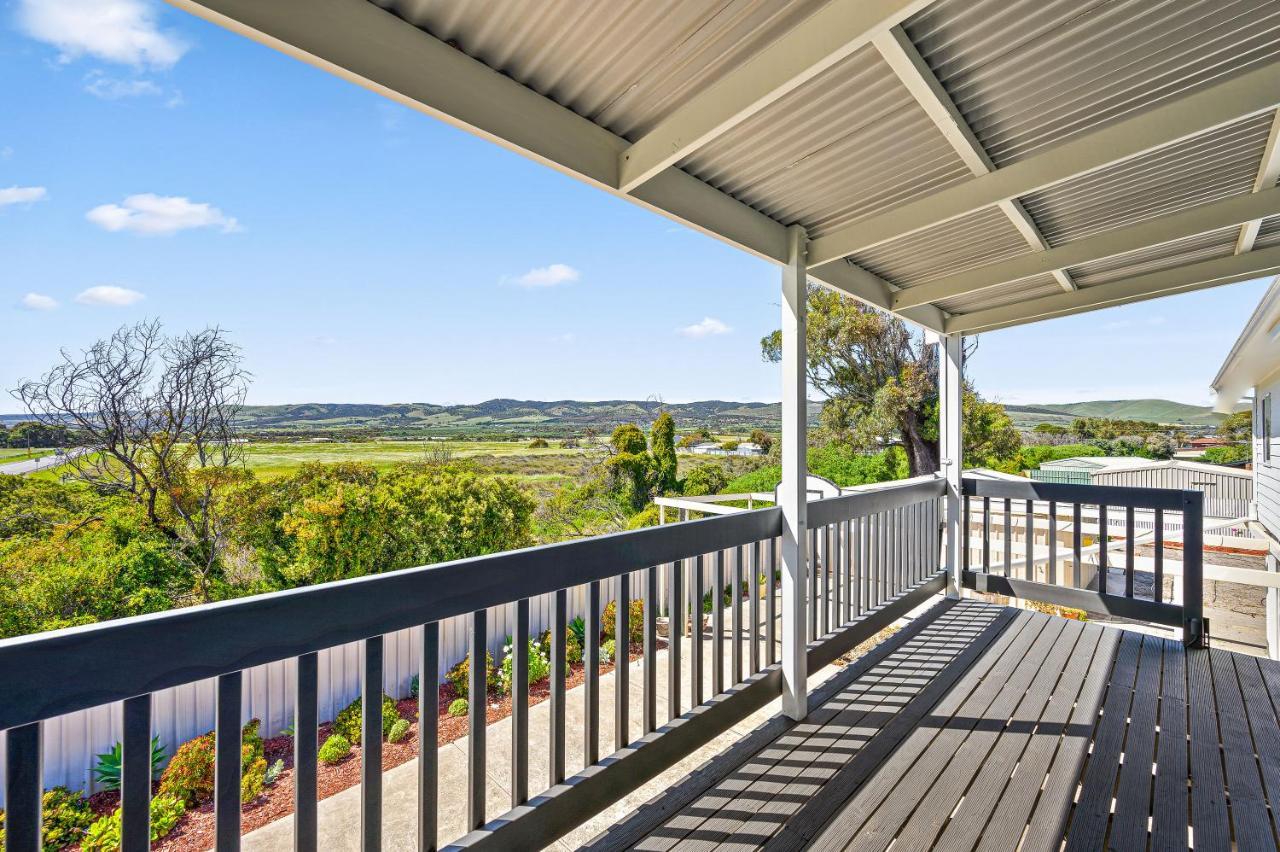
(153,165)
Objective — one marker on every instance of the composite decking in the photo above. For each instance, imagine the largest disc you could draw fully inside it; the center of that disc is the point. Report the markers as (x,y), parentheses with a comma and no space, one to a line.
(985,727)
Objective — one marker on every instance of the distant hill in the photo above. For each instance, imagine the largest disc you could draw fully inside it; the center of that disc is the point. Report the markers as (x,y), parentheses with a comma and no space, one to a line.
(1164,411)
(508,416)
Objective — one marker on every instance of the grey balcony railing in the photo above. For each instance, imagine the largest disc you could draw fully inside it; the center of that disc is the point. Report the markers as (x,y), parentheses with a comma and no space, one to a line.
(1002,511)
(875,557)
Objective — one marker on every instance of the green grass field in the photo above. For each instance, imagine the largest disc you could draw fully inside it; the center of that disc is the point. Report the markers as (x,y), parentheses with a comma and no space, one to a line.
(269,460)
(15,454)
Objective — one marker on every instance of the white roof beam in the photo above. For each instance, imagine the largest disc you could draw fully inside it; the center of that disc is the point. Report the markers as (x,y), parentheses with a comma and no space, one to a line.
(1164,229)
(826,37)
(361,43)
(1167,282)
(898,51)
(1222,103)
(870,288)
(1268,172)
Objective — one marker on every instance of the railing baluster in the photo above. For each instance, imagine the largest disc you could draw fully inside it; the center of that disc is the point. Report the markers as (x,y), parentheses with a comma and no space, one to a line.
(675,631)
(650,712)
(306,721)
(591,679)
(135,776)
(965,532)
(428,737)
(1051,570)
(986,535)
(1029,541)
(622,664)
(1102,548)
(559,671)
(850,593)
(24,780)
(371,739)
(771,606)
(1008,537)
(226,784)
(826,534)
(753,609)
(520,706)
(1128,552)
(695,633)
(1157,580)
(735,649)
(1077,534)
(717,625)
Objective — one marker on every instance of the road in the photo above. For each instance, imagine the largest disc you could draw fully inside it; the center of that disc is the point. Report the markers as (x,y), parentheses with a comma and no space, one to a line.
(32,465)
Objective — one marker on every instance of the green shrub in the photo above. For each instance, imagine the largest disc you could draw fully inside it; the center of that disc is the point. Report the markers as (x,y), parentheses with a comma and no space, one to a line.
(538,444)
(189,775)
(348,721)
(572,649)
(1227,455)
(104,835)
(539,665)
(398,731)
(460,675)
(65,817)
(334,749)
(578,628)
(635,620)
(459,707)
(107,770)
(273,772)
(413,687)
(607,650)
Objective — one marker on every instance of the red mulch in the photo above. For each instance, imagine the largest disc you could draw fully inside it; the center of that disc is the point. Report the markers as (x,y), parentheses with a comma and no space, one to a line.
(195,832)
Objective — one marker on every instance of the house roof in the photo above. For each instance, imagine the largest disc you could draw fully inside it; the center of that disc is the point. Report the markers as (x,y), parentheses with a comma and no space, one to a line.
(966,164)
(1255,355)
(1098,463)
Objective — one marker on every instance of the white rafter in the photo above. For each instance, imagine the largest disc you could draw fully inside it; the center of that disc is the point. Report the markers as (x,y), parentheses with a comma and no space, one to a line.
(898,51)
(1200,219)
(1188,115)
(1268,173)
(1166,282)
(831,34)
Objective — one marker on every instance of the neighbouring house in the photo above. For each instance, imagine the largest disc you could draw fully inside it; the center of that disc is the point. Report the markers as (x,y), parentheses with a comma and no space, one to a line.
(1205,442)
(711,448)
(1251,373)
(1227,491)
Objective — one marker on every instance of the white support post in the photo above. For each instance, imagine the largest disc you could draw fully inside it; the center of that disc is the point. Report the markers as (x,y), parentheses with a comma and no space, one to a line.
(792,492)
(950,446)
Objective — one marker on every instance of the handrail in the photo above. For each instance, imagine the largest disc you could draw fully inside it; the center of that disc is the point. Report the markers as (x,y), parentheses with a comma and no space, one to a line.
(47,674)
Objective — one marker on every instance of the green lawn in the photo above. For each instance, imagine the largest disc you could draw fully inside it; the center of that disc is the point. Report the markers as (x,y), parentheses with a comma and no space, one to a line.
(14,454)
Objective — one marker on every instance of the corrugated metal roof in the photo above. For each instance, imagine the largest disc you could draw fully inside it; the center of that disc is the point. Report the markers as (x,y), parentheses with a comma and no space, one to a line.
(1167,256)
(624,65)
(849,142)
(1027,74)
(1005,294)
(974,240)
(1268,234)
(1196,171)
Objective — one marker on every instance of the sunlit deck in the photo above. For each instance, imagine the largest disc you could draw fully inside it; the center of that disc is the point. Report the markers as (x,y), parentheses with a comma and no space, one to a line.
(987,727)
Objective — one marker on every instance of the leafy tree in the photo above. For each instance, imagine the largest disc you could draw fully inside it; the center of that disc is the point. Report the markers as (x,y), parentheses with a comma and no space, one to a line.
(1228,455)
(762,438)
(662,443)
(703,480)
(628,440)
(1237,426)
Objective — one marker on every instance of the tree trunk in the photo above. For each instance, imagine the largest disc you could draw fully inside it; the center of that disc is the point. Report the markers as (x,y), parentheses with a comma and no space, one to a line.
(922,455)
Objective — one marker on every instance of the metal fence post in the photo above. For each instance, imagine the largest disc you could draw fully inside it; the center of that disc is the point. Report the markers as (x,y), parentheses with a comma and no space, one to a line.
(1195,629)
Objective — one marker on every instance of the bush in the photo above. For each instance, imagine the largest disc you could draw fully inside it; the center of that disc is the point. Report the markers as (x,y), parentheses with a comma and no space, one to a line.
(104,835)
(607,650)
(460,675)
(65,817)
(539,666)
(334,749)
(398,731)
(459,707)
(635,620)
(1227,455)
(572,649)
(107,770)
(348,720)
(189,776)
(273,772)
(538,444)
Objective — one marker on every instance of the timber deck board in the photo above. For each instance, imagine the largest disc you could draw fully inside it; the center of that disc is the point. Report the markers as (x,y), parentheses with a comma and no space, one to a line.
(985,727)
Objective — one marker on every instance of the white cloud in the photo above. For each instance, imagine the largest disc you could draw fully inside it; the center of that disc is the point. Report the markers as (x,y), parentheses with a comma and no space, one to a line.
(22,195)
(708,327)
(109,294)
(6,152)
(112,89)
(546,276)
(123,31)
(148,213)
(39,302)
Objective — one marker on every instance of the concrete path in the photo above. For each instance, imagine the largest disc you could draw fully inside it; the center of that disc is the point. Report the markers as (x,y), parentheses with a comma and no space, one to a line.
(339,815)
